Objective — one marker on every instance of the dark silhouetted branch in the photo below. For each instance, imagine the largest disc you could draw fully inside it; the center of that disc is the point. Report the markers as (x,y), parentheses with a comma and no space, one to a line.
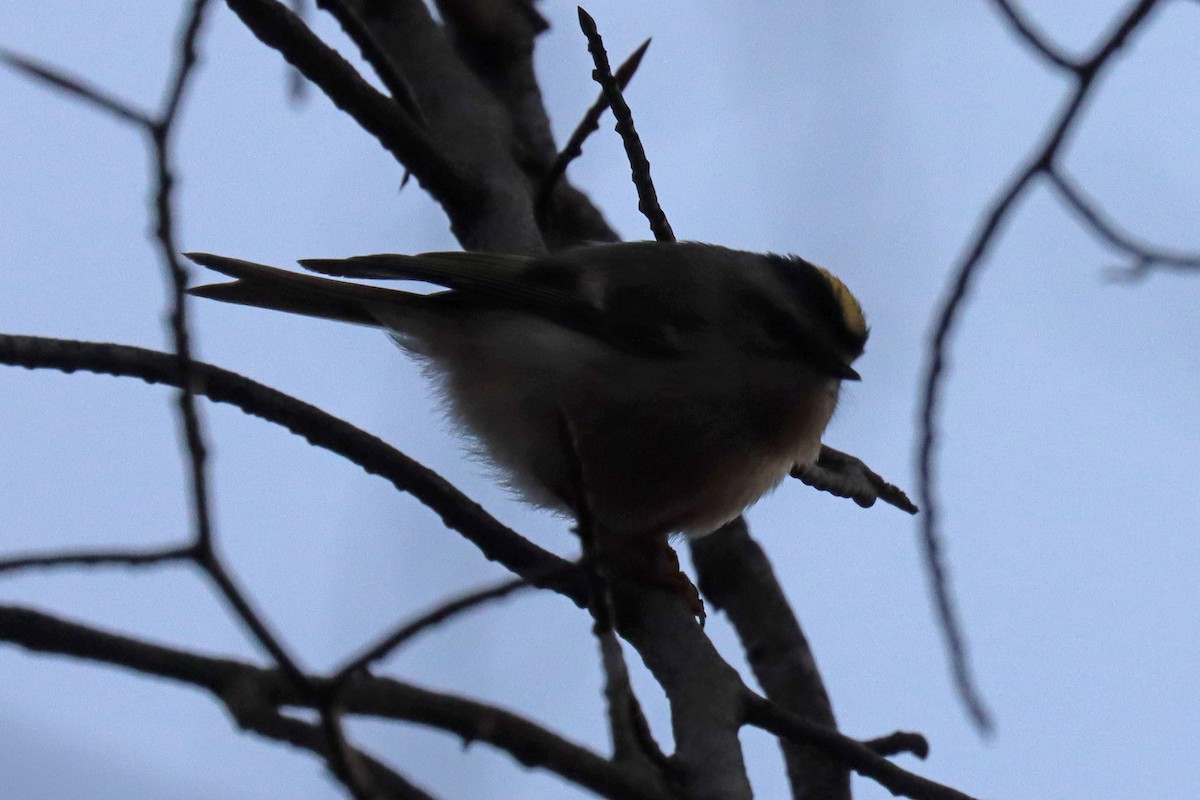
(99,558)
(860,757)
(1026,32)
(319,428)
(586,127)
(1042,163)
(243,688)
(737,577)
(639,164)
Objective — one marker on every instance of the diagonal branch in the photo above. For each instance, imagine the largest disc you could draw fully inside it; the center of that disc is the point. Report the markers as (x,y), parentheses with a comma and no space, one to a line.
(1025,32)
(81,90)
(321,429)
(1146,256)
(270,723)
(647,197)
(430,619)
(379,115)
(590,123)
(860,757)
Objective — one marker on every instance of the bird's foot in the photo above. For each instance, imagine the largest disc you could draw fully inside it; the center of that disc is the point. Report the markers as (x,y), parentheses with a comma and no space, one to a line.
(651,561)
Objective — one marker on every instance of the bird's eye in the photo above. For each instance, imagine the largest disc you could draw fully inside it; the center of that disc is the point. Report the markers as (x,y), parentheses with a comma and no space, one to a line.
(778,327)
(774,329)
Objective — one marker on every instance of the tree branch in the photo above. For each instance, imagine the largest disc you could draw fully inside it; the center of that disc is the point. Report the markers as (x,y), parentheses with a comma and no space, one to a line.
(1043,161)
(860,757)
(647,197)
(242,686)
(737,577)
(458,512)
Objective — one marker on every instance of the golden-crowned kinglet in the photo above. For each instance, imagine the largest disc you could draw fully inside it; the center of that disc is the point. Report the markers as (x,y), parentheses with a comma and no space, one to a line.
(675,382)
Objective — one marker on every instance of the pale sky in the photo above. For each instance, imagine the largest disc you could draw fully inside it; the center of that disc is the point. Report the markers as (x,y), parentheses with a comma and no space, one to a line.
(865,136)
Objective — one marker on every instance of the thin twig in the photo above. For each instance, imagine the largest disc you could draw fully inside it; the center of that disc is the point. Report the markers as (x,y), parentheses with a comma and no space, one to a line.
(76,87)
(297,85)
(762,713)
(161,130)
(343,760)
(436,616)
(1043,161)
(639,164)
(99,558)
(1025,31)
(245,612)
(270,723)
(383,64)
(375,112)
(899,743)
(1146,256)
(586,127)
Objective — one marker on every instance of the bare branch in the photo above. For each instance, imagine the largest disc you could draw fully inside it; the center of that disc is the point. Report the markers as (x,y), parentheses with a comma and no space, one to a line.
(376,113)
(436,616)
(586,127)
(467,135)
(458,512)
(1042,161)
(861,758)
(99,558)
(385,67)
(238,684)
(1145,256)
(270,723)
(647,197)
(252,620)
(899,743)
(186,59)
(1025,31)
(161,131)
(737,577)
(76,87)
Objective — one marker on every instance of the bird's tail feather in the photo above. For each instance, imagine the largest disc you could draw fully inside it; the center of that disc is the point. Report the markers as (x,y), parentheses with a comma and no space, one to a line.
(267,287)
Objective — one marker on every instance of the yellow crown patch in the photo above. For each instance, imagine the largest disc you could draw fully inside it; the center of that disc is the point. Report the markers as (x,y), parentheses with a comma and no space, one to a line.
(852,312)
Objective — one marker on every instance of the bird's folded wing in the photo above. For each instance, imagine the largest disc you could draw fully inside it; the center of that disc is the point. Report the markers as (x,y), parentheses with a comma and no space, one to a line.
(519,280)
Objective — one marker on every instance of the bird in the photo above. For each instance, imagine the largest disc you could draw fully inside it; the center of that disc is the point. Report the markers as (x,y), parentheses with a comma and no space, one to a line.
(659,388)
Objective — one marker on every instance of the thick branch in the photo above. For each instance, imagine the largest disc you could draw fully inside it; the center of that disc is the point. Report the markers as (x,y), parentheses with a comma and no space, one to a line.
(491,205)
(737,577)
(705,693)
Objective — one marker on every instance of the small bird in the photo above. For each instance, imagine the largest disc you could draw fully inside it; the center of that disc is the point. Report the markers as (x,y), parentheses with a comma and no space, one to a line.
(658,387)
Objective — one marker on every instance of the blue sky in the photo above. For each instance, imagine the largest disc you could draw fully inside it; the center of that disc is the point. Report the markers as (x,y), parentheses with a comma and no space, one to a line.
(867,137)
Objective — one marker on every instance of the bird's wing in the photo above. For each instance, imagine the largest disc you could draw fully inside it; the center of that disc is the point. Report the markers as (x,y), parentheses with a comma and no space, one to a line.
(533,283)
(559,290)
(608,292)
